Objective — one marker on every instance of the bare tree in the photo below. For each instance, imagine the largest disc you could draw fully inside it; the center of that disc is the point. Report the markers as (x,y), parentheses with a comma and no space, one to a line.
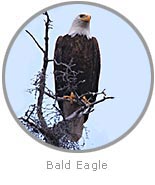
(45,120)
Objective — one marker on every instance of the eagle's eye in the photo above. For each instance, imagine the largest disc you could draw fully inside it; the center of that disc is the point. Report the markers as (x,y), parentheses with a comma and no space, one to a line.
(82,15)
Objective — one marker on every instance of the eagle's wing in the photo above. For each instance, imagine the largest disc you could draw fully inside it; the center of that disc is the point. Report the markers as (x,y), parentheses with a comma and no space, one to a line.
(96,67)
(57,60)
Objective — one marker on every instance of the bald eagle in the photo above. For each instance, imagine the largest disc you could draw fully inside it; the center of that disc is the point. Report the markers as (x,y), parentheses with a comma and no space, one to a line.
(77,69)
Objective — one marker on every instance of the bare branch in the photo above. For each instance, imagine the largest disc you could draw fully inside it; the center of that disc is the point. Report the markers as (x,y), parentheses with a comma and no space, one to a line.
(83,108)
(35,41)
(42,84)
(29,112)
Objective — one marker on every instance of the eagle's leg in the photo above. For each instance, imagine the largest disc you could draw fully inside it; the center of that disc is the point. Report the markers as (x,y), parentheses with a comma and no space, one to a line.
(71,97)
(85,100)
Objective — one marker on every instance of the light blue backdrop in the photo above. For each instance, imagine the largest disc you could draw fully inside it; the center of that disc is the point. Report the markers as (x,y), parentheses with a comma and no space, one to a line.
(125,70)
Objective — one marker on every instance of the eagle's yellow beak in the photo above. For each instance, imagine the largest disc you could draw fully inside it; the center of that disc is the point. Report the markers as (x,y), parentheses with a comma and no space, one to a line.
(86,18)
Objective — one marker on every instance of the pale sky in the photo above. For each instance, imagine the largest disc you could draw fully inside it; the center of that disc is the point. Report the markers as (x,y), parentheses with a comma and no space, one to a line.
(125,69)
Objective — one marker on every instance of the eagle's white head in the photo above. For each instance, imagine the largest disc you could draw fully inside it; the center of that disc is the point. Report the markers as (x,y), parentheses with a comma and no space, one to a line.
(81,26)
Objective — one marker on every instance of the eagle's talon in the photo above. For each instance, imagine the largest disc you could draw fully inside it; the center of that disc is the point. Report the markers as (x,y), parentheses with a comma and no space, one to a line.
(71,97)
(85,100)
